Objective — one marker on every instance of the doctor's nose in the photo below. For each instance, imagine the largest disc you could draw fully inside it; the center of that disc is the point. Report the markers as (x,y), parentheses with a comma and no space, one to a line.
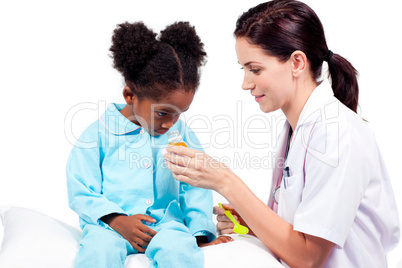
(247,84)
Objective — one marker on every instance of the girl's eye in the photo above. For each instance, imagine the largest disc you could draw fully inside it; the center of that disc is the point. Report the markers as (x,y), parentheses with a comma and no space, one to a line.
(255,71)
(161,113)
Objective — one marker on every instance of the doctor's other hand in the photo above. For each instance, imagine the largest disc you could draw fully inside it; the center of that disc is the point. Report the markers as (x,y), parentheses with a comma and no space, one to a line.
(197,168)
(132,229)
(225,225)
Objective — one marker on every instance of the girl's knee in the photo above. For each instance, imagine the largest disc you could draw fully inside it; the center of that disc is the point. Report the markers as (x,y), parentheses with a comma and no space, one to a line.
(174,246)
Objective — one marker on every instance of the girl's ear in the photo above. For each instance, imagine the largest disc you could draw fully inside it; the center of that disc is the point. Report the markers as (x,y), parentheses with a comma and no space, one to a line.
(299,63)
(128,95)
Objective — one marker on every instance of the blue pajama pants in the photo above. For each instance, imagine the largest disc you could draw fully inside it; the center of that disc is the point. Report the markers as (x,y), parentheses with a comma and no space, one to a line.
(172,247)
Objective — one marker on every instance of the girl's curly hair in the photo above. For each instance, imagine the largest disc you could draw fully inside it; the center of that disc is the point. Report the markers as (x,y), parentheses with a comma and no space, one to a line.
(154,68)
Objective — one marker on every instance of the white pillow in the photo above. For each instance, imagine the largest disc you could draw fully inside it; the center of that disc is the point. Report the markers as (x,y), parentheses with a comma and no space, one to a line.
(32,239)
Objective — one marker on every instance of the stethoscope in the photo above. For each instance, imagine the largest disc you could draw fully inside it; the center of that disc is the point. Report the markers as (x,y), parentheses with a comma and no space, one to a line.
(274,193)
(285,170)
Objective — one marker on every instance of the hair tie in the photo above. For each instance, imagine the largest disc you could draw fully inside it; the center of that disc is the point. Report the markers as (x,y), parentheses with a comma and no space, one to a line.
(329,56)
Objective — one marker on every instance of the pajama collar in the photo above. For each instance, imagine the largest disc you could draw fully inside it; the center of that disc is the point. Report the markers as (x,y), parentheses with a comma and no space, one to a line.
(118,124)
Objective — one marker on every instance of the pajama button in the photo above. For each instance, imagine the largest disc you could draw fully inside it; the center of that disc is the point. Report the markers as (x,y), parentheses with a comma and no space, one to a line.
(148,201)
(147,165)
(142,131)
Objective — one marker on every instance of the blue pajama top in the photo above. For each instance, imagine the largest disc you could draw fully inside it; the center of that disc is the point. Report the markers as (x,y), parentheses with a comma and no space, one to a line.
(117,167)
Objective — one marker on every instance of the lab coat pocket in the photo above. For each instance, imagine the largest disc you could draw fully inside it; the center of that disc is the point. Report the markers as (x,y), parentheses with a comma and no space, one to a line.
(290,196)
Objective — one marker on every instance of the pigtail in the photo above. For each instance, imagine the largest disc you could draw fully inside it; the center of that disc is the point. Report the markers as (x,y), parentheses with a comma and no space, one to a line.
(154,68)
(133,44)
(344,80)
(182,37)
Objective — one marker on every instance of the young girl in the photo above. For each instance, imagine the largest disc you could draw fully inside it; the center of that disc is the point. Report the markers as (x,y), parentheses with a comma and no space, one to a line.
(331,202)
(126,199)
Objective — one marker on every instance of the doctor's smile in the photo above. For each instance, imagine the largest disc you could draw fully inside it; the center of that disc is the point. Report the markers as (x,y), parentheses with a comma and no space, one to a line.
(258,98)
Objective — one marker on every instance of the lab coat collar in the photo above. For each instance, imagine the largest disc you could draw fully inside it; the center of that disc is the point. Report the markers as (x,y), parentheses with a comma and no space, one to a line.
(321,95)
(116,123)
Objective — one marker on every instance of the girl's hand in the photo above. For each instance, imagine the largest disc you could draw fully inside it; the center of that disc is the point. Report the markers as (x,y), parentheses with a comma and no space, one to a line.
(197,168)
(132,229)
(219,240)
(224,225)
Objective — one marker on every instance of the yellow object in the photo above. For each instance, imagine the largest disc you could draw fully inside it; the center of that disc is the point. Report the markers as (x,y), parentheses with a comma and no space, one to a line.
(238,228)
(175,138)
(178,143)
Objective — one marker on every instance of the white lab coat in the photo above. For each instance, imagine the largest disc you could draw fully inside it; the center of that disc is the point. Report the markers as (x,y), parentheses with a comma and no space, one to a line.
(338,188)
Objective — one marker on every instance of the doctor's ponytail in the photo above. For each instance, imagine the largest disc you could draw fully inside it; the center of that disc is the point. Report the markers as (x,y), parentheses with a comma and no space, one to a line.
(344,80)
(281,27)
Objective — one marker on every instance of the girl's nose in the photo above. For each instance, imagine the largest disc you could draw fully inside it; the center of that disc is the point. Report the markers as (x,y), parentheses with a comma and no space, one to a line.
(169,123)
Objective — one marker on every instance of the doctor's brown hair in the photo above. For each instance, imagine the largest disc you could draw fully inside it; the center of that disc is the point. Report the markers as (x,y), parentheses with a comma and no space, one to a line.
(155,67)
(281,27)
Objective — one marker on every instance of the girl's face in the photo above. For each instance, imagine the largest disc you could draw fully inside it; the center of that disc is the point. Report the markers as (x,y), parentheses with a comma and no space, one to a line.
(158,116)
(268,79)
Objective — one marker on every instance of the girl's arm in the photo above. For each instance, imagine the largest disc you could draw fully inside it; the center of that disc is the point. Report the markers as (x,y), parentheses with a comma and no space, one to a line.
(295,248)
(84,184)
(196,203)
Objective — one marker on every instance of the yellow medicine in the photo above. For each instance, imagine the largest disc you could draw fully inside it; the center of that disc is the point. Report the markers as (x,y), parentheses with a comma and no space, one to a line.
(175,138)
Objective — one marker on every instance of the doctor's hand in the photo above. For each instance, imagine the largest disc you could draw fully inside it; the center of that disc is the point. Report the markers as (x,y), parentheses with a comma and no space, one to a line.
(225,225)
(132,229)
(198,169)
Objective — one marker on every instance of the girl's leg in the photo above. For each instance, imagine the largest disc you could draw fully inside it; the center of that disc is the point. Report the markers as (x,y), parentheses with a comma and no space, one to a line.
(174,247)
(102,248)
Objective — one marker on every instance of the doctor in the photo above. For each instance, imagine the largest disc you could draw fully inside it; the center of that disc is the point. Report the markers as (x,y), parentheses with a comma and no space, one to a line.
(331,202)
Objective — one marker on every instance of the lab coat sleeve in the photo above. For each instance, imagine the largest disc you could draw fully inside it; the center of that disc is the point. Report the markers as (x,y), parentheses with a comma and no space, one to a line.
(84,180)
(196,203)
(338,169)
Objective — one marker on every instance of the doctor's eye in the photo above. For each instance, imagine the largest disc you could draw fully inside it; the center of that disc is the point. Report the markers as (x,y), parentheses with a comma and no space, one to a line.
(255,71)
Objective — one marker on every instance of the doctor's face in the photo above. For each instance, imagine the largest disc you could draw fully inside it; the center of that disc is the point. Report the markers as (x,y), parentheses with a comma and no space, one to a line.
(267,78)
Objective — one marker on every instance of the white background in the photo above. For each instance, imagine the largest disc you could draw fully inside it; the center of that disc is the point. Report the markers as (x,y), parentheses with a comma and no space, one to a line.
(56,77)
